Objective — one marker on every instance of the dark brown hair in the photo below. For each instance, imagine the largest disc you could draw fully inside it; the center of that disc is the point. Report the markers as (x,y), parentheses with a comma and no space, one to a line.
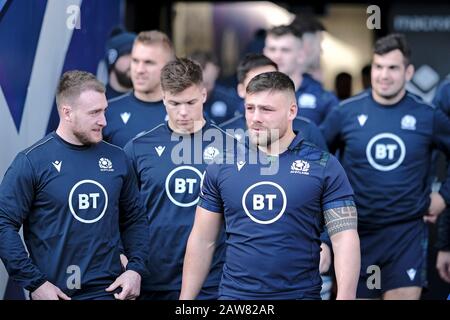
(180,74)
(252,61)
(271,81)
(393,42)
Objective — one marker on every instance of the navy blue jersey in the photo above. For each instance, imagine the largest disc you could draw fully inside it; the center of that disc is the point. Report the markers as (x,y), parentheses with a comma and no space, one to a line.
(112,93)
(76,203)
(442,97)
(127,116)
(222,104)
(386,152)
(169,168)
(274,217)
(313,101)
(308,129)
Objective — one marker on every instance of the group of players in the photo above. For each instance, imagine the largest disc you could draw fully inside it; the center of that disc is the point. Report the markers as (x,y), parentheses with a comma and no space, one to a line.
(156,194)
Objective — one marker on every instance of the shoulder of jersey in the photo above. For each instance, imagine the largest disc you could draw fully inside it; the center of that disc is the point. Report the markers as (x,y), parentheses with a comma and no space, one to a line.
(154,131)
(445,85)
(355,100)
(311,80)
(118,100)
(215,126)
(38,145)
(418,100)
(303,120)
(231,121)
(111,147)
(316,86)
(309,151)
(222,90)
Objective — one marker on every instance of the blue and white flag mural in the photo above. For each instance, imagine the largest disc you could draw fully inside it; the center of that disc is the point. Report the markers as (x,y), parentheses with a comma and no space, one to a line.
(40,40)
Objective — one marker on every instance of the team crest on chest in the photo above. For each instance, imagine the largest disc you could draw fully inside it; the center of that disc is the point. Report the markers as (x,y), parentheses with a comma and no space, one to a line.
(307,101)
(408,122)
(300,167)
(105,164)
(210,153)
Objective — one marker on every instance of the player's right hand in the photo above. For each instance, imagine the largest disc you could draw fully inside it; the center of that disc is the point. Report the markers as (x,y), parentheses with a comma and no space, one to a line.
(48,291)
(443,265)
(437,206)
(325,258)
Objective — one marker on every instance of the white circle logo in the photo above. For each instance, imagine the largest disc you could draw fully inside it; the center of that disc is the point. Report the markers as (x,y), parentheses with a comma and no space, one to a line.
(260,199)
(86,199)
(183,185)
(385,151)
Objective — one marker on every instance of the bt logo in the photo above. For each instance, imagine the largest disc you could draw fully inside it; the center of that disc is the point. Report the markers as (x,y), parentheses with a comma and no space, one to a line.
(183,186)
(180,185)
(259,201)
(88,199)
(264,202)
(385,151)
(84,200)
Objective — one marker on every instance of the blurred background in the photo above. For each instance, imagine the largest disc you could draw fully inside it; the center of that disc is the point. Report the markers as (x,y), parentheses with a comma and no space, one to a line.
(40,39)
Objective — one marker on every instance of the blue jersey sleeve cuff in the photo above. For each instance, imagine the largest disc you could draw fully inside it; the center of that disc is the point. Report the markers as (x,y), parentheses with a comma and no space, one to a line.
(339,204)
(36,283)
(137,267)
(325,238)
(209,206)
(445,195)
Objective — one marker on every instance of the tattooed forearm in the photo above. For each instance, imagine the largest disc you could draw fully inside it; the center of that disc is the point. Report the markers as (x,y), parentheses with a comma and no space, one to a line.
(340,219)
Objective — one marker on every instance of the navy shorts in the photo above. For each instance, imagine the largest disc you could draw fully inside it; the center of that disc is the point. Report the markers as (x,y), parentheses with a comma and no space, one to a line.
(399,252)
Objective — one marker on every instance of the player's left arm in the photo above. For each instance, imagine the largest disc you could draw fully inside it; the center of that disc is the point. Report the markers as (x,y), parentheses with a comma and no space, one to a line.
(341,219)
(441,140)
(134,230)
(341,223)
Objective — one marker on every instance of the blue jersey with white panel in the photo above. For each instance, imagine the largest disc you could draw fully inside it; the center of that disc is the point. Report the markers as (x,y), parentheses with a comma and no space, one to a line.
(309,130)
(442,97)
(313,101)
(76,204)
(273,218)
(127,116)
(386,152)
(169,168)
(222,104)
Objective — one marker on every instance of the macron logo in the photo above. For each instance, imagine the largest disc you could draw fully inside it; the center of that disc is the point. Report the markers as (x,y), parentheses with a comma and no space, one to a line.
(125,117)
(57,164)
(411,273)
(362,118)
(160,150)
(240,164)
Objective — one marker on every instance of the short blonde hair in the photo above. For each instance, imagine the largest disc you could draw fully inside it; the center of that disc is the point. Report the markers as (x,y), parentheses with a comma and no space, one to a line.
(155,37)
(73,83)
